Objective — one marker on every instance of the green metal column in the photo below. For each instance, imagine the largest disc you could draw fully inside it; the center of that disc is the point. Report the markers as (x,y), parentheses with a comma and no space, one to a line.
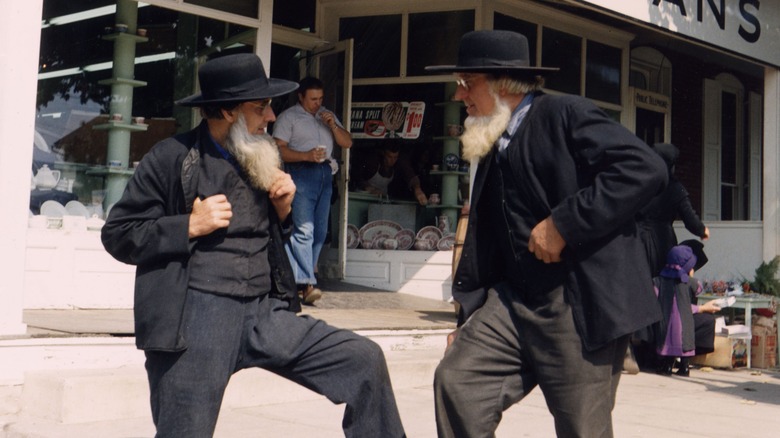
(451,145)
(122,84)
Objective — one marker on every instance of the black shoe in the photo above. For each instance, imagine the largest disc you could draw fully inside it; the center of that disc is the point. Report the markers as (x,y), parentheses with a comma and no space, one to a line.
(665,367)
(683,371)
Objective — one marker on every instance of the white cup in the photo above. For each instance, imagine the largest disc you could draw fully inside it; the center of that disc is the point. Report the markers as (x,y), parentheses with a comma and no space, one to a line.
(323,149)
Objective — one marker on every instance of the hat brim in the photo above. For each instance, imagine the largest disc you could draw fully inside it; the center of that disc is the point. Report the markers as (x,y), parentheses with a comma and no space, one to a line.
(275,88)
(698,251)
(491,69)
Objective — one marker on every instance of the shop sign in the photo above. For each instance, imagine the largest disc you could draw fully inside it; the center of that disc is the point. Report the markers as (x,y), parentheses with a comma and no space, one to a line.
(748,27)
(651,100)
(380,120)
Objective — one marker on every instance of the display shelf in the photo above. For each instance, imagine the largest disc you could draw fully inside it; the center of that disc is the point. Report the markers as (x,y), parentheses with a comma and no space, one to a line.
(138,127)
(122,81)
(441,206)
(448,172)
(124,35)
(105,170)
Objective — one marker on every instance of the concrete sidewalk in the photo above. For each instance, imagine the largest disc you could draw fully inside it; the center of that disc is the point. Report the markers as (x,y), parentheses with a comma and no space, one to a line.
(82,383)
(711,404)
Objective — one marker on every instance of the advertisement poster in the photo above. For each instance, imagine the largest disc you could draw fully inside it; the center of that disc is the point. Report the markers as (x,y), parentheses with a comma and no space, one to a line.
(380,120)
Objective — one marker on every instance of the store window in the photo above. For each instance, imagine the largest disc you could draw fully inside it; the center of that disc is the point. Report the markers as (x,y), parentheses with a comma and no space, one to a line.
(649,83)
(427,31)
(602,72)
(527,29)
(732,150)
(296,14)
(415,158)
(650,71)
(377,45)
(562,50)
(99,100)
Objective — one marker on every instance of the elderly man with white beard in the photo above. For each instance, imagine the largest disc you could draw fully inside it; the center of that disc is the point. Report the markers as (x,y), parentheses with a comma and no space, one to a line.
(552,279)
(204,219)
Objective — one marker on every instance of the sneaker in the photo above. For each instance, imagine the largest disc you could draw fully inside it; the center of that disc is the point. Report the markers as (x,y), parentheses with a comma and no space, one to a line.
(310,294)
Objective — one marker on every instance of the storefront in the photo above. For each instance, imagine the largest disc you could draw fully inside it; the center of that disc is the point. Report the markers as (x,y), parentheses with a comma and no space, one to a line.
(700,74)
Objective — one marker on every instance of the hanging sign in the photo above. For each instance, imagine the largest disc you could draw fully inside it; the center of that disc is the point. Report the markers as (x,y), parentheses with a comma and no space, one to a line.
(380,120)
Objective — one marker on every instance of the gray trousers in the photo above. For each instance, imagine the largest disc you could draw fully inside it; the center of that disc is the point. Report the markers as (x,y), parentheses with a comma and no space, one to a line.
(226,334)
(505,349)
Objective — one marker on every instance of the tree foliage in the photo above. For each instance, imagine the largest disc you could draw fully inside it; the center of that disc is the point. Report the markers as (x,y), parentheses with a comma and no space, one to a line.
(765,280)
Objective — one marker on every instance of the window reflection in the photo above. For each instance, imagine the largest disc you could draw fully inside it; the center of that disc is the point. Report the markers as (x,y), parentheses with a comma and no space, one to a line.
(602,73)
(77,93)
(427,31)
(377,45)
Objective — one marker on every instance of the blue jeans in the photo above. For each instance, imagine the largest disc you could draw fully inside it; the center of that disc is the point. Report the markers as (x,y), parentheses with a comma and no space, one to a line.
(310,211)
(226,334)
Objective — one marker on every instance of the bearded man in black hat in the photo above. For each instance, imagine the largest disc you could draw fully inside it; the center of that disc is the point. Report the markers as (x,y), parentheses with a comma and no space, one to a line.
(204,219)
(552,279)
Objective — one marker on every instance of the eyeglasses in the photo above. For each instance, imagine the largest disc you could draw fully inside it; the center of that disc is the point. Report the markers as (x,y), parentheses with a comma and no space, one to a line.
(467,82)
(259,108)
(463,83)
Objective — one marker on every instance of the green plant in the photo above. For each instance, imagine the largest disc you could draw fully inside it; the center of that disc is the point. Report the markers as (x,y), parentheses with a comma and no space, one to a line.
(766,281)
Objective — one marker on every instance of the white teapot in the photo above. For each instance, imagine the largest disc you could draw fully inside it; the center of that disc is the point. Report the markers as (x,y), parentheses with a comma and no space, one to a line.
(47,179)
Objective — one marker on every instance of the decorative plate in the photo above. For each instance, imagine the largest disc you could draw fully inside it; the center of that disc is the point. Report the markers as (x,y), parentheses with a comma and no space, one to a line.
(451,162)
(430,232)
(76,208)
(53,209)
(446,243)
(353,236)
(379,228)
(405,239)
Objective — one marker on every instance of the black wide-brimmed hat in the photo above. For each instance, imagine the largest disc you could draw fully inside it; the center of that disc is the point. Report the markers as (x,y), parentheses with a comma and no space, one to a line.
(493,51)
(234,79)
(698,251)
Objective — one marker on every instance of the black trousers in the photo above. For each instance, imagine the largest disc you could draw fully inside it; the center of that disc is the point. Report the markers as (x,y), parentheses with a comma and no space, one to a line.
(506,349)
(226,334)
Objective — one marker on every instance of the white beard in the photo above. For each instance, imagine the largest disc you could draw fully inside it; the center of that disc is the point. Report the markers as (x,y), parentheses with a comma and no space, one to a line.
(257,154)
(482,131)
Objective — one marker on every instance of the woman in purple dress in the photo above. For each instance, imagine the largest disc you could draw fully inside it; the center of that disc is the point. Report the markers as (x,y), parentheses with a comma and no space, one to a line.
(686,328)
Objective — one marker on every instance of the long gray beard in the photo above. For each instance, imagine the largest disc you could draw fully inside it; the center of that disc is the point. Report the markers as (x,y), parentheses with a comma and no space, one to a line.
(482,132)
(257,154)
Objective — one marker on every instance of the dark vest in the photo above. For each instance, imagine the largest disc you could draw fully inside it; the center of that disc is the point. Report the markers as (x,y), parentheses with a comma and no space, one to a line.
(232,261)
(511,218)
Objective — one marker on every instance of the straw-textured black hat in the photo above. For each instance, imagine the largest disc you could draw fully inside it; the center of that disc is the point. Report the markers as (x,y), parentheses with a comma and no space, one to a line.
(492,51)
(234,79)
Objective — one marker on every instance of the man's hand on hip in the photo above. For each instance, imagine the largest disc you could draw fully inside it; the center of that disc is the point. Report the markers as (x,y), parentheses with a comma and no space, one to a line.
(546,243)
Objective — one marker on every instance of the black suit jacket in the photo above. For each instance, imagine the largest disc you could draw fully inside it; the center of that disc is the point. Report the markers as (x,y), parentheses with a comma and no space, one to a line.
(568,159)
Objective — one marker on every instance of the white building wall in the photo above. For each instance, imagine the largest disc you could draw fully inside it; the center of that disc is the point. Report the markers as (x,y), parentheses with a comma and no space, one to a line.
(733,249)
(20,27)
(771,182)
